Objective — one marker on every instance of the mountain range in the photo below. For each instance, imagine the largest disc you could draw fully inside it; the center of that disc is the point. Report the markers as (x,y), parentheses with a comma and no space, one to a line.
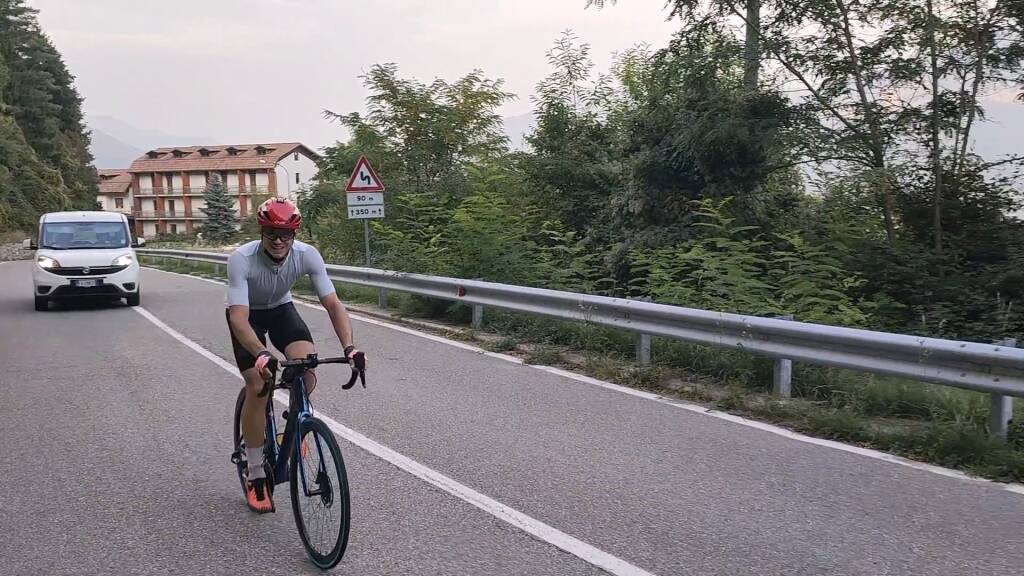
(115,143)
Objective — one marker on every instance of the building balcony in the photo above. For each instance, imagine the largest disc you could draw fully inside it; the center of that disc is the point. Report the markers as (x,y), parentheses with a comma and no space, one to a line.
(167,215)
(198,191)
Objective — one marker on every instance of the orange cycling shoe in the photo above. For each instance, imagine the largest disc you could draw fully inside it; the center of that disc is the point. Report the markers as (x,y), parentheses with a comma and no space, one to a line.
(257,496)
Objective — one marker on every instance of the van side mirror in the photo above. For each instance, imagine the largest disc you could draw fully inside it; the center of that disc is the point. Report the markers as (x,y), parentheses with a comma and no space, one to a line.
(139,242)
(28,244)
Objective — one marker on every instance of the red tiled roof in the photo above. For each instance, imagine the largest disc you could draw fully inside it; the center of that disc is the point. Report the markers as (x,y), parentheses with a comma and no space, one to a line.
(189,158)
(114,181)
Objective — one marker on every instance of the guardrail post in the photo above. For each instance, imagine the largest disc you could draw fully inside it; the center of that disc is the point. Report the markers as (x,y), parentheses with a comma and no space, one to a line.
(1002,406)
(478,316)
(478,310)
(382,297)
(643,349)
(216,269)
(643,342)
(782,378)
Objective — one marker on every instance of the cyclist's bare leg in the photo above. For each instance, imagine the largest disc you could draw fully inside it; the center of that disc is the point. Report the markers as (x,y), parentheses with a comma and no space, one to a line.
(254,409)
(301,349)
(254,431)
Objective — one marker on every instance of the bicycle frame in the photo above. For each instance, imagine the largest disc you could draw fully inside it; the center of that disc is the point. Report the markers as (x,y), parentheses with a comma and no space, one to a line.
(298,413)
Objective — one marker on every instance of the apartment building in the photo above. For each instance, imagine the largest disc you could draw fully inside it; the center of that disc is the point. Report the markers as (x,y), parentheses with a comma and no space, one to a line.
(167,184)
(115,191)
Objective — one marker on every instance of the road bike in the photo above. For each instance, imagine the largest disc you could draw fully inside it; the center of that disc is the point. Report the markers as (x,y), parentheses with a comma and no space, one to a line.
(307,455)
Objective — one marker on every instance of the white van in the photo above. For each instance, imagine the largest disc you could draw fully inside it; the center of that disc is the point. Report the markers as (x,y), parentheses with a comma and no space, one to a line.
(85,254)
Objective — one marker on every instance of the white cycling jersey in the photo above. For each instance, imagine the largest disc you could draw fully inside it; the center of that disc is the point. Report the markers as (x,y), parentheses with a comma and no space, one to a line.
(256,281)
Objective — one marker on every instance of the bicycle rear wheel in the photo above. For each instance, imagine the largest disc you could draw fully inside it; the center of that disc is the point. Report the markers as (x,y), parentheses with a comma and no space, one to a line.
(238,457)
(320,498)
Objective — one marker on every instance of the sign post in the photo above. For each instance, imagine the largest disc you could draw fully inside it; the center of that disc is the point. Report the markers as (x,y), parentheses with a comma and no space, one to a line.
(364,195)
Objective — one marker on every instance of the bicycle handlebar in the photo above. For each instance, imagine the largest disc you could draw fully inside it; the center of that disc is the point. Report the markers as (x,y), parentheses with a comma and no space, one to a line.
(358,363)
(312,361)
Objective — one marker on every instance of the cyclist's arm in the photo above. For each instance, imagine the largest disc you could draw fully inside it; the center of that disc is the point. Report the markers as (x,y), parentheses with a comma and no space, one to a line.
(324,288)
(238,304)
(339,318)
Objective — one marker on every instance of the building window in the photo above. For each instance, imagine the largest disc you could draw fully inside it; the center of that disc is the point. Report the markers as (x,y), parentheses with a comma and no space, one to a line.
(252,179)
(170,182)
(170,207)
(174,228)
(118,203)
(296,157)
(296,177)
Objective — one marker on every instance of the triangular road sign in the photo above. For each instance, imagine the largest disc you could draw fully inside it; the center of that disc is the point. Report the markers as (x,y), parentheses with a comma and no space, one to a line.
(363,178)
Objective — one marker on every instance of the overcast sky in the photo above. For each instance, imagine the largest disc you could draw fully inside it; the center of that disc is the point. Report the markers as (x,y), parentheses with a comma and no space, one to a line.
(251,71)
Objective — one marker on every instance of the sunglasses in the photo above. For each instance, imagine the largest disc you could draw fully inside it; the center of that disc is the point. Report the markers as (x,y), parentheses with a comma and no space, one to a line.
(285,235)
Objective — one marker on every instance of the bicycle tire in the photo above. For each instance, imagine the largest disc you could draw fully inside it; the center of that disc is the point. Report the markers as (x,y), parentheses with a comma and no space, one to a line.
(240,465)
(236,429)
(321,443)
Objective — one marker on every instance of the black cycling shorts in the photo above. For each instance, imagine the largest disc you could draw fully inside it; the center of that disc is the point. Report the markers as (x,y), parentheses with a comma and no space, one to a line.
(284,325)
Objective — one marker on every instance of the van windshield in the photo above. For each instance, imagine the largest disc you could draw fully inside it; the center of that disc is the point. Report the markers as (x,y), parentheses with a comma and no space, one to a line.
(84,235)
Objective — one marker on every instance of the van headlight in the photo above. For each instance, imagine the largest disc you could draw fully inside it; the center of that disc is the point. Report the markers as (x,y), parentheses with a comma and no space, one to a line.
(125,260)
(46,262)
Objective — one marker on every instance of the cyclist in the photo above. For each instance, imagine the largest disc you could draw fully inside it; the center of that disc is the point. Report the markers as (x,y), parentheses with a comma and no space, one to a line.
(261,274)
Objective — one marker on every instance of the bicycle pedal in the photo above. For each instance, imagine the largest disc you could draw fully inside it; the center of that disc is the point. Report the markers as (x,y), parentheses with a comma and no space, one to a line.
(236,457)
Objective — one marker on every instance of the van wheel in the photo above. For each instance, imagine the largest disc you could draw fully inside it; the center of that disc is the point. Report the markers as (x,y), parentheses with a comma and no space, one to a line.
(42,304)
(133,299)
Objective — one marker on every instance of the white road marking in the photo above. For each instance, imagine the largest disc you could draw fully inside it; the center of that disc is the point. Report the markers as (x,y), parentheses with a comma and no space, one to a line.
(536,528)
(696,408)
(188,342)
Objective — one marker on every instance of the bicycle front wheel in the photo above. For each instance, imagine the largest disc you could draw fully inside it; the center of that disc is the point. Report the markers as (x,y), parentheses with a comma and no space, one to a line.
(320,498)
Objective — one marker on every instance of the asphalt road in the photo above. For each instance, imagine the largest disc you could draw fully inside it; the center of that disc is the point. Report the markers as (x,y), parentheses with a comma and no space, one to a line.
(116,438)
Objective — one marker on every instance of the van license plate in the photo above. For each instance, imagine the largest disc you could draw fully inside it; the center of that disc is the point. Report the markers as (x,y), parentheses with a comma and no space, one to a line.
(85,283)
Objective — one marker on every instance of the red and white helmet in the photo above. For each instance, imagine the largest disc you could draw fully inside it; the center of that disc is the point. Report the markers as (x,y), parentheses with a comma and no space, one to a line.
(278,213)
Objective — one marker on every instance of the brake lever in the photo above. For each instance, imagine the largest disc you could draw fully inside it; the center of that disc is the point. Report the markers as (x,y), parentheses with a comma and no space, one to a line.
(268,383)
(358,363)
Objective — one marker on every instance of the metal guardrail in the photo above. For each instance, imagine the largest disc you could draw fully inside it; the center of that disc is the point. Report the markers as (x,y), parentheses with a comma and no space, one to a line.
(997,369)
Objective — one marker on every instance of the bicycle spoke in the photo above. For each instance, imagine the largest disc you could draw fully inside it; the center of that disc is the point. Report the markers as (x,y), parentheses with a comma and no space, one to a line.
(321,506)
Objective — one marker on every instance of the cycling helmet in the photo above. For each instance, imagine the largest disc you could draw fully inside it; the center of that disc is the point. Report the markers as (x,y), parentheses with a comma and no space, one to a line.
(278,213)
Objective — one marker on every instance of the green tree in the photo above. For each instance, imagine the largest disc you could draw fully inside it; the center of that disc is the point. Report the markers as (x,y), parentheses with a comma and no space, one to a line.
(46,164)
(74,160)
(431,130)
(422,139)
(735,268)
(28,187)
(489,238)
(573,166)
(686,10)
(221,223)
